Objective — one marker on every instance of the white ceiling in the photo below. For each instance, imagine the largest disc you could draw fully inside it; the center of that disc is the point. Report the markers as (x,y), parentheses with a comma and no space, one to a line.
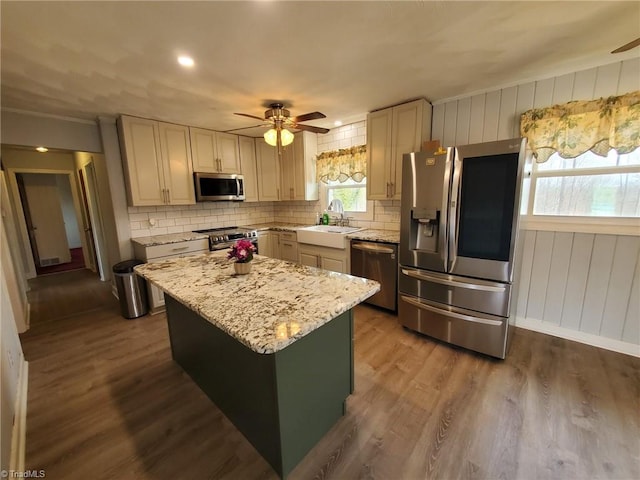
(84,59)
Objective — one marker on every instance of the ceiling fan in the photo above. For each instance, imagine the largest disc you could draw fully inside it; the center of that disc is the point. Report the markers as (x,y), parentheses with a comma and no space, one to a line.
(627,46)
(280,120)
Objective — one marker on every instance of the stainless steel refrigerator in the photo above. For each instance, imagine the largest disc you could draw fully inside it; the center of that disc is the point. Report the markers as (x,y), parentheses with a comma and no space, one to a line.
(458,235)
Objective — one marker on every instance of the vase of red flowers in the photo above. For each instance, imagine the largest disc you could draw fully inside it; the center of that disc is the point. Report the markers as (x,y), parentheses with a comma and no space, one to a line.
(242,252)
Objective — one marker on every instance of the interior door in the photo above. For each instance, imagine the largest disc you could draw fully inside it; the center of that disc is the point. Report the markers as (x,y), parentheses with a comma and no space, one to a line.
(47,221)
(90,257)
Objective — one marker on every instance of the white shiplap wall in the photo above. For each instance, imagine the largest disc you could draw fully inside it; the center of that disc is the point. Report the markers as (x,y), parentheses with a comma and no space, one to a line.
(581,286)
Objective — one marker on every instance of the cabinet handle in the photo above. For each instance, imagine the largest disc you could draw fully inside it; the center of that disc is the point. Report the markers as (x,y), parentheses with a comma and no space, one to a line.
(219,163)
(393,189)
(291,193)
(178,249)
(168,196)
(388,185)
(287,244)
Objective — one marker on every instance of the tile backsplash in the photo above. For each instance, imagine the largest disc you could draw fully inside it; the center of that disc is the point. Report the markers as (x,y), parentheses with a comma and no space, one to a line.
(160,220)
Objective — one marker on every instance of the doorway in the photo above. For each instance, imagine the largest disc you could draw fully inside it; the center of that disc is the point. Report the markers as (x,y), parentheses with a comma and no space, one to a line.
(52,221)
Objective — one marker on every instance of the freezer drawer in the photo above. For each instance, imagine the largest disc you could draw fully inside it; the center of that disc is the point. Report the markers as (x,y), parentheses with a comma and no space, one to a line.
(379,262)
(482,333)
(464,292)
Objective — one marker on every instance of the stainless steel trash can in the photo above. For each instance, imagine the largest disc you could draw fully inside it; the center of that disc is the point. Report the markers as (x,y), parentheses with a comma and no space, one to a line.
(132,289)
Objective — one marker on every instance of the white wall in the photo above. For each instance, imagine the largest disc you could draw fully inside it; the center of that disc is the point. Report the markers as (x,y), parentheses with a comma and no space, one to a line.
(33,129)
(575,285)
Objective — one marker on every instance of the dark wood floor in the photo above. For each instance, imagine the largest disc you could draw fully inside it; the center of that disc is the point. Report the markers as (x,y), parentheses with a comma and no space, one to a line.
(106,401)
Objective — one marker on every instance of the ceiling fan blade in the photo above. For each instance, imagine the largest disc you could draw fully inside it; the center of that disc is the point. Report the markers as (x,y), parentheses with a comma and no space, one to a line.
(250,116)
(309,128)
(309,116)
(628,46)
(246,128)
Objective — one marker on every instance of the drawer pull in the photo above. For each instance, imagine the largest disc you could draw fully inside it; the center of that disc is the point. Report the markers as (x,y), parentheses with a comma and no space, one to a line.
(453,283)
(449,313)
(178,249)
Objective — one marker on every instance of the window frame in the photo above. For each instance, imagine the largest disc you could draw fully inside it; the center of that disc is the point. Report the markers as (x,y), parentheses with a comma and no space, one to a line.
(574,223)
(324,201)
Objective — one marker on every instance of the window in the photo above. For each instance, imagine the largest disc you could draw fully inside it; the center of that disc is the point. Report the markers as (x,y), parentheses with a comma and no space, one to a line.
(587,186)
(352,194)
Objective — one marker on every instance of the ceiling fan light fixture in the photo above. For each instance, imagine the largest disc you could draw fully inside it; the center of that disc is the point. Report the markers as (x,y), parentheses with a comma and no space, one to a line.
(286,137)
(271,137)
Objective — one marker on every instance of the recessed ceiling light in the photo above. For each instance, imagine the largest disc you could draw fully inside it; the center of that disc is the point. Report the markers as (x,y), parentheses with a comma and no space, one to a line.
(42,149)
(186,61)
(337,123)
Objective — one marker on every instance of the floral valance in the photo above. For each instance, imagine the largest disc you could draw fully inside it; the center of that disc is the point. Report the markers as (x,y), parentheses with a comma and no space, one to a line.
(340,165)
(574,128)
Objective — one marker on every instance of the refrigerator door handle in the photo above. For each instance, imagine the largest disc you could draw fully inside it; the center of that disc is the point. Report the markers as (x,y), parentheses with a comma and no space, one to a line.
(450,313)
(454,210)
(477,285)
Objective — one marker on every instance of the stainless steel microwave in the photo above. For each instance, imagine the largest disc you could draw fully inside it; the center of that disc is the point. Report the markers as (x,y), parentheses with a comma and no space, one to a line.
(213,187)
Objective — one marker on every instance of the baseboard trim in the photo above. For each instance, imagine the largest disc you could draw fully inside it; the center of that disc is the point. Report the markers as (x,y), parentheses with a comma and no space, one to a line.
(582,337)
(19,430)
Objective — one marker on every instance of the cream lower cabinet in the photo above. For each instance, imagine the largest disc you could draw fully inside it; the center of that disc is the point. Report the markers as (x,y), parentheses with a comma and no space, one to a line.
(333,259)
(391,133)
(157,162)
(157,253)
(288,246)
(268,244)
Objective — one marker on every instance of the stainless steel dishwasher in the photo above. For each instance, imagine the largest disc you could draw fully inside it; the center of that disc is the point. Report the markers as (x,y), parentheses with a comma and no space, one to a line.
(377,261)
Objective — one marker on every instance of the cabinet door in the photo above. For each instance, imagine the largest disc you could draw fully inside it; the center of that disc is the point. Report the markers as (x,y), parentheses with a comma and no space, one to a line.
(156,298)
(287,172)
(265,244)
(228,154)
(379,154)
(141,152)
(309,259)
(288,250)
(407,138)
(333,264)
(247,147)
(268,172)
(203,150)
(176,164)
(304,168)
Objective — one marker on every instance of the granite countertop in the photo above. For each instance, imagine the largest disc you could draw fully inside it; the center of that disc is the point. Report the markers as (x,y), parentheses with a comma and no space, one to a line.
(371,235)
(266,310)
(154,240)
(279,227)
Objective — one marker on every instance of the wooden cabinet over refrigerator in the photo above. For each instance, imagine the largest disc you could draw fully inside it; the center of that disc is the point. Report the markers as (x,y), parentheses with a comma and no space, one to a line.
(392,132)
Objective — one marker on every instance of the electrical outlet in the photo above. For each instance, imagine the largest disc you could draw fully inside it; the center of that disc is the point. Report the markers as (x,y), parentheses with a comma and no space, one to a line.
(152,222)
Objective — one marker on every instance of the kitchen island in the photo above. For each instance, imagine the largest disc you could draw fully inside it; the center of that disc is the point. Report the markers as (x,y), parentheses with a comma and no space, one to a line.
(272,349)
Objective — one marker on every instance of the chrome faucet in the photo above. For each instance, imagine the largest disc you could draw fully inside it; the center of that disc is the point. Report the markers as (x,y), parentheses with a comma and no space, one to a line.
(337,207)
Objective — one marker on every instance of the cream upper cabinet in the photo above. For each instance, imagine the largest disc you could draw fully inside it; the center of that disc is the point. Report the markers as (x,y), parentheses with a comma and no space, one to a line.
(214,152)
(268,171)
(299,168)
(157,161)
(249,168)
(392,132)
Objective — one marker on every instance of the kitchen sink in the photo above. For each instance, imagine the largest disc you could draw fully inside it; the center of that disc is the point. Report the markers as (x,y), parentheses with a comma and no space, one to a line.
(325,235)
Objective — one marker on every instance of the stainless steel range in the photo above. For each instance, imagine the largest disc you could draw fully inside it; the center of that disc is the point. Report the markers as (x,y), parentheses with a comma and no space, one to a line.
(225,237)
